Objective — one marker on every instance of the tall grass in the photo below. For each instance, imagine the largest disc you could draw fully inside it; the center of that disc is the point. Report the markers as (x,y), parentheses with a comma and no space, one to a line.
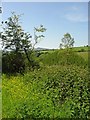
(62,57)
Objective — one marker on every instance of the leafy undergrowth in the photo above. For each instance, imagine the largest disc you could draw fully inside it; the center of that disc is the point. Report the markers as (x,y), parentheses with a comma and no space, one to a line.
(62,57)
(53,92)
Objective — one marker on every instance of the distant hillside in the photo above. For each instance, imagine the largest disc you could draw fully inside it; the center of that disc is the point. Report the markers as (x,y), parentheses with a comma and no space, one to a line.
(81,49)
(76,49)
(39,48)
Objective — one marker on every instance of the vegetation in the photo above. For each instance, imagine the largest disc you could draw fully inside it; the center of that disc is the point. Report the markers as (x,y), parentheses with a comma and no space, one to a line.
(16,43)
(53,91)
(81,49)
(67,41)
(50,93)
(62,57)
(83,55)
(56,84)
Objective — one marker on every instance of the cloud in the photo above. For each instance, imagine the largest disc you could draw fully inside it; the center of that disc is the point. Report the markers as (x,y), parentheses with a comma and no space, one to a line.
(76,17)
(77,13)
(75,8)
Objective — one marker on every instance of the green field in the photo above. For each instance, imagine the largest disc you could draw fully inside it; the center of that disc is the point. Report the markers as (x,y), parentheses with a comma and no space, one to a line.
(58,89)
(81,49)
(84,55)
(76,49)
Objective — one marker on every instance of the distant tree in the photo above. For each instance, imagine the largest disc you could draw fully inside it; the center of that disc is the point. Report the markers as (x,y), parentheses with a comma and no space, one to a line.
(67,41)
(60,46)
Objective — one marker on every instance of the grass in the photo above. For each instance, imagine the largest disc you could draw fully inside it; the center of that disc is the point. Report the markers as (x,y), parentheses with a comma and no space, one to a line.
(81,49)
(0,105)
(58,89)
(83,55)
(62,57)
(75,49)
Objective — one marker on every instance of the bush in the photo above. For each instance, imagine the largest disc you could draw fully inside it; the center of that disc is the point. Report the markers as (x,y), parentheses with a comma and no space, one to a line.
(82,50)
(18,63)
(33,63)
(13,63)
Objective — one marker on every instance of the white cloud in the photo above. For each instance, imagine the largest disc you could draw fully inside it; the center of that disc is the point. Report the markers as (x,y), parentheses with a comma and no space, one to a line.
(77,17)
(75,8)
(77,14)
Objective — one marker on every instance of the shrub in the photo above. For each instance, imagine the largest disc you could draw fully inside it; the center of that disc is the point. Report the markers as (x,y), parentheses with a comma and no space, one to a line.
(82,50)
(13,63)
(18,63)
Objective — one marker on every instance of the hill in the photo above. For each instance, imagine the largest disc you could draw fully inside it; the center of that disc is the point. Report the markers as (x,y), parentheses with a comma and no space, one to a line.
(62,57)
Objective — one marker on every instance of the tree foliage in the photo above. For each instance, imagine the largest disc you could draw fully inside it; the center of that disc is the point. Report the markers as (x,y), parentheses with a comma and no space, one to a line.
(16,40)
(37,34)
(67,41)
(13,36)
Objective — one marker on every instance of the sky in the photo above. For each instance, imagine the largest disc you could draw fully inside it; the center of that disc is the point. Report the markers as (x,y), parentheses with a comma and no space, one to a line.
(45,0)
(57,17)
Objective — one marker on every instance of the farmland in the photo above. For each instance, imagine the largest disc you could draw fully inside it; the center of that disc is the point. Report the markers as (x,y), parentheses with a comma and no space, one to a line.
(58,89)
